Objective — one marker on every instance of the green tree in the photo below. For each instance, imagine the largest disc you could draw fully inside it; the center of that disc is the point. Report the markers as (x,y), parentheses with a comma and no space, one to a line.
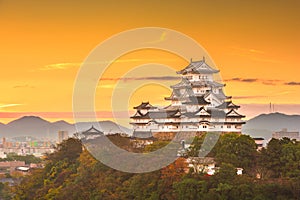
(271,157)
(290,159)
(189,188)
(27,158)
(48,183)
(226,174)
(238,150)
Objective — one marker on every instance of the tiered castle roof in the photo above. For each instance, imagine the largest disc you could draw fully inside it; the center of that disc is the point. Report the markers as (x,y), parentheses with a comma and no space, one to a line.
(196,100)
(198,67)
(144,105)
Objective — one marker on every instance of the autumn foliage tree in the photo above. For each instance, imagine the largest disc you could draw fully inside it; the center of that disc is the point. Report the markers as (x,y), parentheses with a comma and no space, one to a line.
(71,172)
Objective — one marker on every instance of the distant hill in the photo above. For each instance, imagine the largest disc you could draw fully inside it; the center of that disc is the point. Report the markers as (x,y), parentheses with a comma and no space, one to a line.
(265,124)
(63,125)
(2,125)
(260,126)
(28,126)
(33,126)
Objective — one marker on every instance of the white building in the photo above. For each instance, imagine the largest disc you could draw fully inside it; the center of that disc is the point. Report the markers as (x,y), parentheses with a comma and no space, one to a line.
(259,143)
(197,104)
(62,135)
(202,164)
(285,133)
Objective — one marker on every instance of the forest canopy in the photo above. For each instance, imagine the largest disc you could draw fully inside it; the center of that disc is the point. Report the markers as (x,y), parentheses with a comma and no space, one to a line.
(71,172)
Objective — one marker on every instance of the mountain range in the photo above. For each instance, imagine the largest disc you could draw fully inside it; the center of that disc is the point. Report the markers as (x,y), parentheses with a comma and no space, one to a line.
(265,124)
(36,127)
(32,126)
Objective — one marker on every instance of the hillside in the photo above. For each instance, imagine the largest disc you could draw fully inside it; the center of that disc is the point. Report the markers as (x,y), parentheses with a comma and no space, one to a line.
(265,124)
(37,127)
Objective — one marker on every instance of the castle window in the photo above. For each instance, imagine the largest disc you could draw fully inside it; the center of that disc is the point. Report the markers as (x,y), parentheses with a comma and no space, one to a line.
(228,126)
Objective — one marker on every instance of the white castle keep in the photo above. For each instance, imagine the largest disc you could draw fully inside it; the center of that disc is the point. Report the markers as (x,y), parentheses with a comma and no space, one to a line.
(197,104)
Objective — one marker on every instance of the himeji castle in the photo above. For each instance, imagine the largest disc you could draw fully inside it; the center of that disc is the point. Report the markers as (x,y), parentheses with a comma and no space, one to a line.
(197,104)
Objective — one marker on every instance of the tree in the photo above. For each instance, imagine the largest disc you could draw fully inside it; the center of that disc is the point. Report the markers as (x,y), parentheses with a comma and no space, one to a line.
(261,169)
(5,193)
(226,174)
(69,149)
(142,186)
(155,146)
(48,182)
(238,150)
(189,188)
(270,158)
(245,151)
(27,158)
(290,159)
(175,170)
(171,174)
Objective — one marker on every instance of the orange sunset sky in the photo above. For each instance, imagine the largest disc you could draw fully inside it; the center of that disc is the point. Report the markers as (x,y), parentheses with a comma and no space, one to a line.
(254,43)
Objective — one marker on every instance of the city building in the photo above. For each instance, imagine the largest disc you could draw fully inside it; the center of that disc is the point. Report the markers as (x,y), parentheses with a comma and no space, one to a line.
(62,135)
(197,104)
(10,166)
(285,133)
(36,148)
(202,164)
(206,165)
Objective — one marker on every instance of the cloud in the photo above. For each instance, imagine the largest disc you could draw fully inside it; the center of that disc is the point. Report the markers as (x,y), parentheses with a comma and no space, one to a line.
(63,66)
(255,80)
(263,96)
(59,66)
(103,85)
(106,86)
(269,82)
(252,54)
(68,115)
(272,82)
(247,80)
(248,97)
(266,60)
(283,93)
(256,51)
(23,86)
(160,39)
(292,83)
(9,105)
(247,50)
(263,81)
(162,78)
